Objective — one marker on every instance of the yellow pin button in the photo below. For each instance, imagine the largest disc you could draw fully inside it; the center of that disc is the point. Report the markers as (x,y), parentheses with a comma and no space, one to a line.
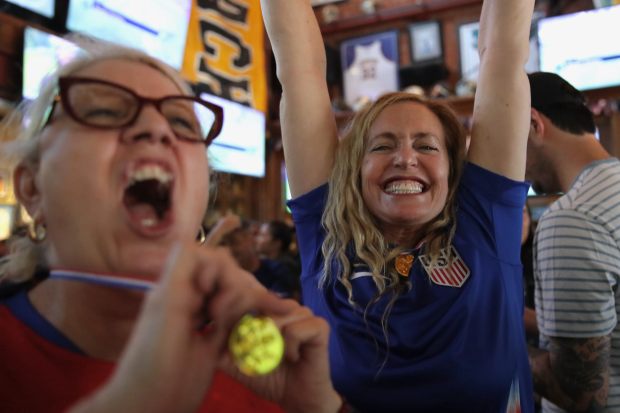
(256,345)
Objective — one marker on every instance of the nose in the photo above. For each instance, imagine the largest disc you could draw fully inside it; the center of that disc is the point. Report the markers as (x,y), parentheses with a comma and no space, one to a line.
(405,156)
(150,126)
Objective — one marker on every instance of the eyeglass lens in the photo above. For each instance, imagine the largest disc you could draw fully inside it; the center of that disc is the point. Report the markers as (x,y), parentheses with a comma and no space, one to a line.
(102,105)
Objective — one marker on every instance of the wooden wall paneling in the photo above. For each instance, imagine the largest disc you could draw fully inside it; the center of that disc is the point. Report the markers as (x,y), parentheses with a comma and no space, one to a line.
(388,13)
(612,135)
(269,190)
(11,44)
(250,197)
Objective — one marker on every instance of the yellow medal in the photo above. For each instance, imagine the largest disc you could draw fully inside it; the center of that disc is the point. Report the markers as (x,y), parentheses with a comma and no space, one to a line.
(256,345)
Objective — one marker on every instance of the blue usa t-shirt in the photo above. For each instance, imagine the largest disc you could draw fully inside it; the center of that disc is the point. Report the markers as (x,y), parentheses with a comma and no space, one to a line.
(455,341)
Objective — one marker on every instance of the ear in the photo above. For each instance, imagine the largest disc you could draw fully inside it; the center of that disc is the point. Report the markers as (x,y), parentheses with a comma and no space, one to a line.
(537,127)
(26,190)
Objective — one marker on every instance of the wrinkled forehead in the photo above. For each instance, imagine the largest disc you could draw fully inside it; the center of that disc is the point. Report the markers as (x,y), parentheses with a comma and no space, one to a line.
(141,77)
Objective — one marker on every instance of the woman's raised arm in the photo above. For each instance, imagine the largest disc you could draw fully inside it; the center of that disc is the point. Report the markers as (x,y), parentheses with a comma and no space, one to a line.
(502,103)
(309,130)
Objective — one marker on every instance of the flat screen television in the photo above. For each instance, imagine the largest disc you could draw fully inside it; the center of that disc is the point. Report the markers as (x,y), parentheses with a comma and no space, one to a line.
(582,47)
(157,27)
(240,147)
(43,52)
(41,7)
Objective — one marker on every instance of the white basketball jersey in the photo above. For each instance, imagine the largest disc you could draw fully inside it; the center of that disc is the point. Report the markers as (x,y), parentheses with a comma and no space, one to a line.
(370,75)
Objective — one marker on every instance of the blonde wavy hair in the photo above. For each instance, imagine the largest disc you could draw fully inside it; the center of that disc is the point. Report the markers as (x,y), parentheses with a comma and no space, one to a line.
(21,130)
(351,228)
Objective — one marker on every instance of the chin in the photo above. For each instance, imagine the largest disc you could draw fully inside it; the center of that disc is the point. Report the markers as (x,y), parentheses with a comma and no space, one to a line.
(411,214)
(144,261)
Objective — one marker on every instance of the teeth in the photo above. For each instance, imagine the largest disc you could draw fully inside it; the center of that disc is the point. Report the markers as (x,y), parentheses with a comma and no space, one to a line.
(148,222)
(150,172)
(404,187)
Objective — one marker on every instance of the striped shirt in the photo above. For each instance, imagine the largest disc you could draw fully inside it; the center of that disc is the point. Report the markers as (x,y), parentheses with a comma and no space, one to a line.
(577,266)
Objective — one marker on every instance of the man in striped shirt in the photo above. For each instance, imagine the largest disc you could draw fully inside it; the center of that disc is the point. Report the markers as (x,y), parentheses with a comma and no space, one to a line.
(576,254)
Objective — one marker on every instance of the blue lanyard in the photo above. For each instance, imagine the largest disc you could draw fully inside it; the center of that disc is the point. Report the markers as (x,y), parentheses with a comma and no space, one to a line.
(108,280)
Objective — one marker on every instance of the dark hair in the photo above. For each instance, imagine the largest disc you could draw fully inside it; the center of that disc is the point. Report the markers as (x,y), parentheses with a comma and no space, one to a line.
(565,106)
(570,117)
(282,232)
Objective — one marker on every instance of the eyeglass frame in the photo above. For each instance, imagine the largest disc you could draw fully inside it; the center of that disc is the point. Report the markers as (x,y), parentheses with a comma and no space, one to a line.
(62,95)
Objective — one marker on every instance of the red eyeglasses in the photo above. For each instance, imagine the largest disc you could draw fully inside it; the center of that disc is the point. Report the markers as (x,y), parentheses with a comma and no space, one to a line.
(105,105)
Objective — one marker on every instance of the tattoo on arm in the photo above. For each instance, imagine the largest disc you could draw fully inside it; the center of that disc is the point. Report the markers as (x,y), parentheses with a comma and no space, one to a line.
(574,373)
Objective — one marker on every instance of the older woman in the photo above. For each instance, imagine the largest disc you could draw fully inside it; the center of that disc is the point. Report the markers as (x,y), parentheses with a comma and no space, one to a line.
(112,168)
(410,253)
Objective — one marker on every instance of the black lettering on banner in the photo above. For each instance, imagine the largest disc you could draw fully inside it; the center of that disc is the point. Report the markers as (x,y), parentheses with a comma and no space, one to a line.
(243,53)
(227,8)
(227,88)
(226,85)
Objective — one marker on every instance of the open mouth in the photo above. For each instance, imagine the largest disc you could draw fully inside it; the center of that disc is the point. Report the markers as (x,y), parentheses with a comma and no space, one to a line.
(404,187)
(148,195)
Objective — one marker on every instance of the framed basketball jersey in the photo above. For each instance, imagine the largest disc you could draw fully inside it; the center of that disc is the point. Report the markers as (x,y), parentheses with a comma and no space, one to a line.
(370,67)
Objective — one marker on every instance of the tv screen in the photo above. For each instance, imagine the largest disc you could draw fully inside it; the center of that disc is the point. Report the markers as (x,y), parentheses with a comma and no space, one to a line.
(158,27)
(42,7)
(43,52)
(240,147)
(582,47)
(7,220)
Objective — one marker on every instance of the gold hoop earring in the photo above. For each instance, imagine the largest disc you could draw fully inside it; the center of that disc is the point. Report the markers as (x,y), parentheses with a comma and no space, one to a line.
(202,236)
(37,232)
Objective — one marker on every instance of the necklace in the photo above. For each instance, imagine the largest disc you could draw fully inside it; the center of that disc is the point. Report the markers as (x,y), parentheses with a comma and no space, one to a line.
(255,343)
(110,280)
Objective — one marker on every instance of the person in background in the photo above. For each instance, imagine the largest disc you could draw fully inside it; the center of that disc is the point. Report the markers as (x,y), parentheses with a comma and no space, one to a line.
(576,253)
(234,233)
(274,240)
(410,253)
(112,167)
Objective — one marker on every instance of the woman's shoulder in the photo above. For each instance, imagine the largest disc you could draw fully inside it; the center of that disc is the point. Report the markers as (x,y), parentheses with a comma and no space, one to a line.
(310,204)
(492,186)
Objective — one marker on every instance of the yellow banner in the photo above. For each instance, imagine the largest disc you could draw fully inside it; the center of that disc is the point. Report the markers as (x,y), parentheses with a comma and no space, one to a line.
(225,53)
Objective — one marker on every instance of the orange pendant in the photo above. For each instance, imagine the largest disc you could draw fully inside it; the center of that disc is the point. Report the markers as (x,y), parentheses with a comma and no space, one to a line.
(403,264)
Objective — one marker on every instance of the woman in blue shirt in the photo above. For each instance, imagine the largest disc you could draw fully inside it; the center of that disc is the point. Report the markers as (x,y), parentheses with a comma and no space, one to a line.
(409,250)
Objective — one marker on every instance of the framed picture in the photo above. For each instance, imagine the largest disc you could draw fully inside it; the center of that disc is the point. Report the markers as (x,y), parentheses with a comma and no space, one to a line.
(7,220)
(468,51)
(426,42)
(370,67)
